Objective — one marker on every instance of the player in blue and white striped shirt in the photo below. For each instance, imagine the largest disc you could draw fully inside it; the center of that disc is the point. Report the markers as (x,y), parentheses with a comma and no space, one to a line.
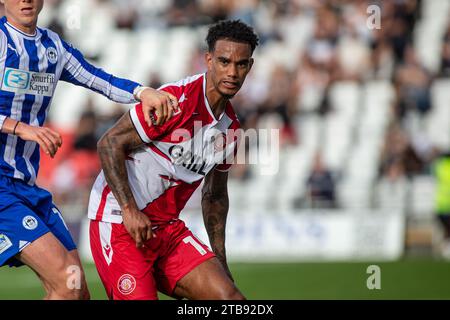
(32,61)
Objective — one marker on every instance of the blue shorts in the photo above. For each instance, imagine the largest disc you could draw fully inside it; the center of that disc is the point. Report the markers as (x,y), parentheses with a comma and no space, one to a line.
(26,214)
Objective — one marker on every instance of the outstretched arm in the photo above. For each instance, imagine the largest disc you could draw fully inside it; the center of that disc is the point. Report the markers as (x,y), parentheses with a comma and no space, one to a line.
(215,210)
(80,72)
(113,148)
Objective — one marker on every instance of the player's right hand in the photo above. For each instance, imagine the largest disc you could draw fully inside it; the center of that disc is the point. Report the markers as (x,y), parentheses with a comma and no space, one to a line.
(138,226)
(50,141)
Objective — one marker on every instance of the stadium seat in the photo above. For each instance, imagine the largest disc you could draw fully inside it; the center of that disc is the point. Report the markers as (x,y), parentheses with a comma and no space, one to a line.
(422,196)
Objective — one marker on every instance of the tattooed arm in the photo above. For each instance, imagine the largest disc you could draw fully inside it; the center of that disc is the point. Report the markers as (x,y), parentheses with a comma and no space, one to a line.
(113,148)
(215,211)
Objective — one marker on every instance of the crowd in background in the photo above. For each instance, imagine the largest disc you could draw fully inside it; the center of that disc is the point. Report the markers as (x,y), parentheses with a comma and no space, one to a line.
(338,46)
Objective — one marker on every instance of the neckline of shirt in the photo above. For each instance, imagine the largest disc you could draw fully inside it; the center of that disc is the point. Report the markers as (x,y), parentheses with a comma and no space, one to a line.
(26,35)
(208,107)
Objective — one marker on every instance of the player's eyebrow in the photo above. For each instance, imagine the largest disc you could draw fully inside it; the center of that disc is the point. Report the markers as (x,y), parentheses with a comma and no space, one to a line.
(243,61)
(224,59)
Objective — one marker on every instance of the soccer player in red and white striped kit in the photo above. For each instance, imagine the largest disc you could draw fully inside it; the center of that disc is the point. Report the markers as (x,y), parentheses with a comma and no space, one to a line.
(138,242)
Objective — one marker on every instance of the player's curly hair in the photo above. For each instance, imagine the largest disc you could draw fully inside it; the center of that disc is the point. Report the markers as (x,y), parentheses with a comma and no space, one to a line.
(234,30)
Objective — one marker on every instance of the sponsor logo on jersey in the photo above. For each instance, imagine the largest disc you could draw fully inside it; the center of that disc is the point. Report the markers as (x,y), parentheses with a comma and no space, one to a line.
(27,82)
(187,159)
(126,284)
(107,253)
(52,55)
(29,223)
(5,243)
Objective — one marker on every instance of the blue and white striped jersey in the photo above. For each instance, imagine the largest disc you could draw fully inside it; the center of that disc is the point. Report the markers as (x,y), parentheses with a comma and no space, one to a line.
(30,68)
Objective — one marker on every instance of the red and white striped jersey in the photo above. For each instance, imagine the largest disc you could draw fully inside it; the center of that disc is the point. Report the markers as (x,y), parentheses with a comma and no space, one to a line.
(165,172)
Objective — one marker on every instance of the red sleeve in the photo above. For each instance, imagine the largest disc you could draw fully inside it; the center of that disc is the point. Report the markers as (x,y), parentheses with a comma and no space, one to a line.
(154,133)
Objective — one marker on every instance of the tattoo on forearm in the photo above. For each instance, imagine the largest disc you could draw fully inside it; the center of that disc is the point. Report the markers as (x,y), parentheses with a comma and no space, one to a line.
(215,209)
(113,149)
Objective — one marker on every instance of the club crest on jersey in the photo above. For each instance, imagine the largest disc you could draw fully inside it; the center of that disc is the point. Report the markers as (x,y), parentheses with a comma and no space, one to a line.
(27,82)
(126,284)
(5,243)
(29,223)
(52,55)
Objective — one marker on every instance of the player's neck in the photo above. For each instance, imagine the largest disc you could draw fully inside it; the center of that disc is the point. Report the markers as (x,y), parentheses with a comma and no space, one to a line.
(29,30)
(216,101)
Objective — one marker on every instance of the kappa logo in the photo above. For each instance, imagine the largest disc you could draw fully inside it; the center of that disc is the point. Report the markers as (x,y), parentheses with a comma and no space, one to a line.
(23,244)
(126,284)
(5,243)
(13,49)
(29,223)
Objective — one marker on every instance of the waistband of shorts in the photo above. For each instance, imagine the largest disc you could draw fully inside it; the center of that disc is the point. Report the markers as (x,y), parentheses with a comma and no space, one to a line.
(162,224)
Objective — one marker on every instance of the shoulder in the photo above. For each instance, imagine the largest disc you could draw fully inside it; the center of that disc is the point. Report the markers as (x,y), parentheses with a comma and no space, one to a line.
(3,43)
(55,38)
(183,86)
(3,38)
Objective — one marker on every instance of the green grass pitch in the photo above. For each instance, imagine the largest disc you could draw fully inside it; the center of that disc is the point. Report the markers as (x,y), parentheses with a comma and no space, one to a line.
(405,279)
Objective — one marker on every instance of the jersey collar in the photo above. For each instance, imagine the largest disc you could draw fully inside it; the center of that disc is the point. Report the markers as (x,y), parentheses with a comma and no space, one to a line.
(208,107)
(25,35)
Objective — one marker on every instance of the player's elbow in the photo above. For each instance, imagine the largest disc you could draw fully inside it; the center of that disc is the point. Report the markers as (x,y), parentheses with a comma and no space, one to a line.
(107,145)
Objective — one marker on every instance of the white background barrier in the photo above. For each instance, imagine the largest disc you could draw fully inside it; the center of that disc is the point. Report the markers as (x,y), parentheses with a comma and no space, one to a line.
(302,235)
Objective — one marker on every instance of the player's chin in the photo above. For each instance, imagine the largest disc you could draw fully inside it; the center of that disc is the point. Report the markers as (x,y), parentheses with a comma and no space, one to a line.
(229,92)
(28,21)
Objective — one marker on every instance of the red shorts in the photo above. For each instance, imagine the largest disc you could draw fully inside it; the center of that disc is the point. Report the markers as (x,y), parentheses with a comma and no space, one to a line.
(129,273)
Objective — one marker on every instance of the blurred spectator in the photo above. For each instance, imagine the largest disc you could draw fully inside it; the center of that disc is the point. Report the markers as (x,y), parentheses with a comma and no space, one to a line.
(185,13)
(399,156)
(280,102)
(412,82)
(445,55)
(311,85)
(321,186)
(85,134)
(155,80)
(216,10)
(81,167)
(126,13)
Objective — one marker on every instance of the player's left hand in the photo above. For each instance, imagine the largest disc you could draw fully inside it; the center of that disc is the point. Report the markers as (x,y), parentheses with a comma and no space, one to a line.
(162,103)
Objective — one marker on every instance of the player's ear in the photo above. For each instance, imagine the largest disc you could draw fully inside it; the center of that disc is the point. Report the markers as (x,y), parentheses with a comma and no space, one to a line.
(208,59)
(251,64)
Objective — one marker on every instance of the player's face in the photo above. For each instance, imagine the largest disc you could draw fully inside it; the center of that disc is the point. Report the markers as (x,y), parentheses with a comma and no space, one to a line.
(228,66)
(23,14)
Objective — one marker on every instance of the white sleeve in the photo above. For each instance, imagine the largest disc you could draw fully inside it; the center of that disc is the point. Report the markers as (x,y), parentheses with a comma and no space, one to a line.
(3,46)
(3,50)
(2,119)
